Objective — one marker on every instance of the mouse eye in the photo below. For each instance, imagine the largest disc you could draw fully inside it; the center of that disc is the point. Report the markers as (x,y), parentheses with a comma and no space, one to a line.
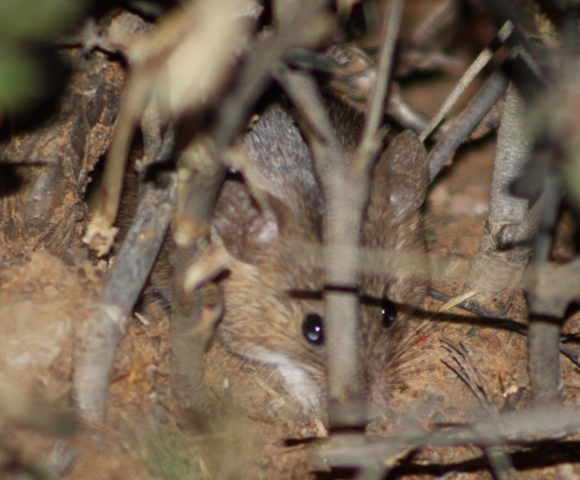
(312,329)
(388,312)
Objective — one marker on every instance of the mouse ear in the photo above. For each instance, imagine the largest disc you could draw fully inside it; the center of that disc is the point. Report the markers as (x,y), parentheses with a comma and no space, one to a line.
(248,228)
(280,195)
(402,171)
(399,184)
(392,220)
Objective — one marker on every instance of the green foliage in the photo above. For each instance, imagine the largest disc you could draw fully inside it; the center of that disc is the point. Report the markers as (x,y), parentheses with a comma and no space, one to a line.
(20,77)
(23,23)
(27,20)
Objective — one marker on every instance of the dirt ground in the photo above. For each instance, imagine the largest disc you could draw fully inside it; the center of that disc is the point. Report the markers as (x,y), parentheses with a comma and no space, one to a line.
(43,299)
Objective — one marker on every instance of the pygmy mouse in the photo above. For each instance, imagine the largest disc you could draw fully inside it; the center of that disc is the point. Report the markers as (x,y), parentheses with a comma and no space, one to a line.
(273,312)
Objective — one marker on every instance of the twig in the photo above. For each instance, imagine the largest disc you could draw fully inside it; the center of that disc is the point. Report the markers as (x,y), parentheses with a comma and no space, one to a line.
(440,18)
(346,191)
(370,142)
(99,335)
(514,429)
(495,270)
(178,36)
(535,55)
(342,236)
(481,61)
(307,26)
(546,308)
(256,74)
(475,110)
(403,113)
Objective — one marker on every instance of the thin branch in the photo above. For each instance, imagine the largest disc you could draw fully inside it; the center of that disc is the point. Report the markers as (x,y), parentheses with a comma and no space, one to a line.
(515,429)
(546,306)
(205,172)
(190,29)
(256,74)
(535,55)
(99,335)
(481,61)
(370,141)
(439,19)
(303,91)
(480,104)
(345,200)
(495,270)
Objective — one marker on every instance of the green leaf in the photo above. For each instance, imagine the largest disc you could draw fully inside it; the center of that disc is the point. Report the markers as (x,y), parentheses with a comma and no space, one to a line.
(23,20)
(20,78)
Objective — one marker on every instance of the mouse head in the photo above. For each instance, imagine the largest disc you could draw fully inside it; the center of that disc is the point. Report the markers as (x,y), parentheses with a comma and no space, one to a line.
(274,313)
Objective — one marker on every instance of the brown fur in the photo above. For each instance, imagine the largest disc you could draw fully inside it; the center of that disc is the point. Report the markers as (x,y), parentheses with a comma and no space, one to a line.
(264,222)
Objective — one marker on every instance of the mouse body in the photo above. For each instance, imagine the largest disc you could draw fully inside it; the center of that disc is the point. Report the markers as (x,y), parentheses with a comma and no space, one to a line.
(269,219)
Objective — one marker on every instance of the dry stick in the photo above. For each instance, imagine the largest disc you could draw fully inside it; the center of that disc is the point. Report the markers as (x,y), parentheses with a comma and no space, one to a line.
(545,312)
(516,428)
(346,192)
(536,56)
(552,287)
(342,237)
(341,295)
(397,107)
(481,61)
(97,338)
(403,113)
(440,18)
(180,35)
(495,270)
(544,359)
(544,331)
(253,79)
(308,27)
(480,104)
(188,337)
(525,230)
(370,140)
(100,233)
(187,359)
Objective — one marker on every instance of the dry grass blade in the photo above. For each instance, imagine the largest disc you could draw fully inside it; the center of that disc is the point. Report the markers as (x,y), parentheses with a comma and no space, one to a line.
(467,371)
(99,335)
(453,302)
